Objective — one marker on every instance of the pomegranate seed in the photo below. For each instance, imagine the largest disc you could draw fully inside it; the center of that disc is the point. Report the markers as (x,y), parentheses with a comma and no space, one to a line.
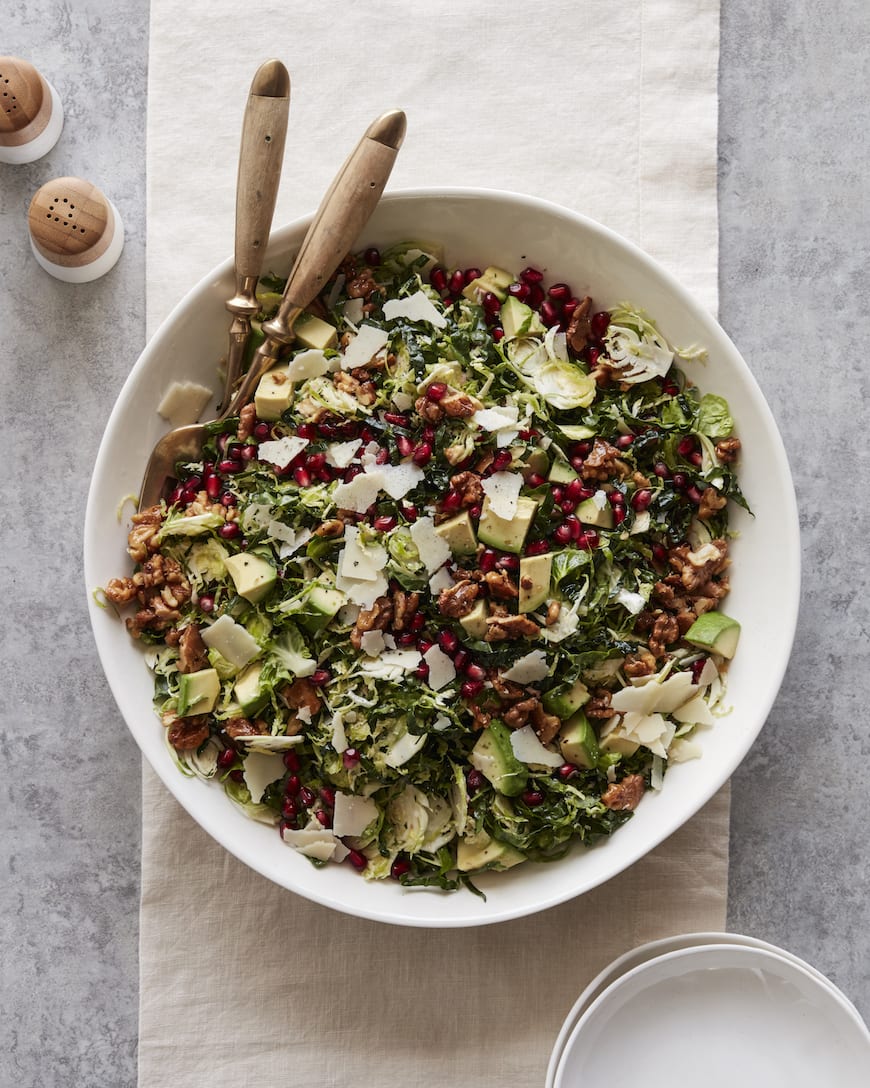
(448,641)
(418,622)
(351,473)
(397,419)
(457,281)
(227,758)
(249,453)
(385,522)
(680,481)
(422,455)
(588,540)
(399,868)
(533,798)
(536,296)
(307,796)
(549,313)
(618,515)
(508,562)
(372,257)
(693,494)
(287,825)
(262,431)
(406,638)
(575,526)
(531,275)
(228,467)
(302,477)
(206,602)
(323,817)
(519,291)
(569,306)
(599,323)
(451,502)
(409,511)
(557,493)
(487,560)
(563,534)
(474,779)
(291,761)
(476,510)
(358,861)
(661,470)
(293,784)
(404,445)
(698,668)
(436,391)
(315,461)
(659,554)
(696,457)
(491,304)
(567,506)
(686,446)
(229,531)
(567,771)
(576,491)
(350,757)
(497,333)
(422,670)
(438,278)
(424,645)
(176,495)
(471,274)
(537,547)
(320,677)
(306,430)
(428,434)
(460,659)
(237,775)
(670,388)
(289,808)
(624,441)
(327,796)
(475,672)
(213,486)
(640,500)
(228,499)
(560,292)
(502,460)
(577,462)
(471,689)
(535,479)
(616,498)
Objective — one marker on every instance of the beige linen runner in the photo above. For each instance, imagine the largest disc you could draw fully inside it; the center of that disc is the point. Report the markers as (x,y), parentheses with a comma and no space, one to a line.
(609,109)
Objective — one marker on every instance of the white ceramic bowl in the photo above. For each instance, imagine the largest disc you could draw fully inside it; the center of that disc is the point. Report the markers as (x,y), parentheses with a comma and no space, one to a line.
(474,227)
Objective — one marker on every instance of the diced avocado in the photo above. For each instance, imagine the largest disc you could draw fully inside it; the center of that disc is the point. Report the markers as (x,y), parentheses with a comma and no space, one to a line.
(590,513)
(247,691)
(716,632)
(506,535)
(494,280)
(475,622)
(561,472)
(323,603)
(534,581)
(518,319)
(578,743)
(618,746)
(312,332)
(253,576)
(566,699)
(486,853)
(274,394)
(536,461)
(494,757)
(269,302)
(198,692)
(458,534)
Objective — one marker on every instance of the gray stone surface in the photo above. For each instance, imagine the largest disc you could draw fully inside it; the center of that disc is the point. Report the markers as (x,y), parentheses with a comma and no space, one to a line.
(794,280)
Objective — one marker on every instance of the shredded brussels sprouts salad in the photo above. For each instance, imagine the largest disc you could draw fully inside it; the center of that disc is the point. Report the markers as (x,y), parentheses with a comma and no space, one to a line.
(445,597)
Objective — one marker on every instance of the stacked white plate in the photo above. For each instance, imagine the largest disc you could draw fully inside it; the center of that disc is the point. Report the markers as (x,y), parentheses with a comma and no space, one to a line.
(711,1009)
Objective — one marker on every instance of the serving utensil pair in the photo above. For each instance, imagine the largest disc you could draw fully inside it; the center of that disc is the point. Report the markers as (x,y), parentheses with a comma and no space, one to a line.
(343,212)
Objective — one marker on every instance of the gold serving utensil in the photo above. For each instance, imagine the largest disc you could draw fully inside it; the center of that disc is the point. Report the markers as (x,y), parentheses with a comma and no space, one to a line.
(343,212)
(261,155)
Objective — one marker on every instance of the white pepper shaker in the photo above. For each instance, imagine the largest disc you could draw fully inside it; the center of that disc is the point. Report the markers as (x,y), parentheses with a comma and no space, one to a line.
(31,112)
(76,233)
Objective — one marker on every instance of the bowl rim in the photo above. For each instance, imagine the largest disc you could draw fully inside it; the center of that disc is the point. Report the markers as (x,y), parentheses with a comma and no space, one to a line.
(790,559)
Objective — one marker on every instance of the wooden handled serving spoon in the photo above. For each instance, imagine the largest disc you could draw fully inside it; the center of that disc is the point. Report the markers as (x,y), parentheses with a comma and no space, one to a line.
(343,212)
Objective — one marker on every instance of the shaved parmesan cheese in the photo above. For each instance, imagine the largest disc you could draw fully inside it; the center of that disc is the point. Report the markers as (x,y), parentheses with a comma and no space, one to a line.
(231,641)
(416,307)
(307,364)
(497,419)
(364,346)
(359,592)
(641,523)
(528,669)
(340,454)
(392,664)
(339,737)
(353,310)
(404,748)
(320,844)
(359,494)
(183,402)
(683,749)
(528,749)
(260,770)
(433,549)
(504,438)
(281,451)
(441,723)
(442,671)
(695,711)
(653,696)
(300,539)
(398,480)
(359,561)
(709,673)
(265,742)
(441,579)
(503,490)
(372,643)
(631,602)
(352,814)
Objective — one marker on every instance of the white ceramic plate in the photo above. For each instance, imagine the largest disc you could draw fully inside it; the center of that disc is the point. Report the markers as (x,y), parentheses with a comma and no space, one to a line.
(474,227)
(717,1015)
(652,950)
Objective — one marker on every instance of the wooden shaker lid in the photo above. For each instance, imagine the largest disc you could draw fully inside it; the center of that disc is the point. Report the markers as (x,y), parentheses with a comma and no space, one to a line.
(71,222)
(25,102)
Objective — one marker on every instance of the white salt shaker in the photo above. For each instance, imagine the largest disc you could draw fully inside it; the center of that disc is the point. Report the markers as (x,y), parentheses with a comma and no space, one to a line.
(31,112)
(76,233)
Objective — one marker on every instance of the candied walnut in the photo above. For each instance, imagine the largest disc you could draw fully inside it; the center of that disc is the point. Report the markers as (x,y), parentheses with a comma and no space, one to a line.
(517,716)
(405,606)
(302,695)
(158,616)
(458,600)
(330,529)
(362,284)
(507,689)
(244,727)
(500,584)
(624,796)
(500,628)
(429,410)
(480,717)
(458,405)
(598,707)
(469,487)
(120,590)
(364,391)
(697,567)
(641,663)
(192,654)
(579,329)
(142,538)
(603,461)
(603,373)
(554,609)
(247,421)
(727,450)
(377,618)
(187,734)
(665,631)
(711,501)
(545,725)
